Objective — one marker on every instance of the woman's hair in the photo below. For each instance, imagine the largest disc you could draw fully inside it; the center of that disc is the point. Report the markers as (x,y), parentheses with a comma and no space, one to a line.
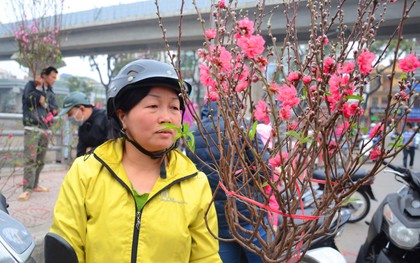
(125,101)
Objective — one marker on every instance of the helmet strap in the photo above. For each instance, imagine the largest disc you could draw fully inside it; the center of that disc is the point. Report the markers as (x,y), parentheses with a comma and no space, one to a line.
(152,155)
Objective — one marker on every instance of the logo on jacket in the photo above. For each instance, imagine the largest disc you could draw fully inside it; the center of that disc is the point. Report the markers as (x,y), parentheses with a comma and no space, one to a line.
(165,197)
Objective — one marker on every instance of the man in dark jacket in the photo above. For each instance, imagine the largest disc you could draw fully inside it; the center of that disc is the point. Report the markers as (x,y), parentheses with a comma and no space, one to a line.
(229,251)
(94,128)
(39,107)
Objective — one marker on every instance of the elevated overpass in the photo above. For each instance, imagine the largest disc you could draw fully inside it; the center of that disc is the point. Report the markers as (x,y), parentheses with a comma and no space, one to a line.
(134,27)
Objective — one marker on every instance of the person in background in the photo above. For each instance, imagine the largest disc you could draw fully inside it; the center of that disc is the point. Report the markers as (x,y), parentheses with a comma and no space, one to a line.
(39,108)
(230,252)
(409,150)
(138,198)
(94,127)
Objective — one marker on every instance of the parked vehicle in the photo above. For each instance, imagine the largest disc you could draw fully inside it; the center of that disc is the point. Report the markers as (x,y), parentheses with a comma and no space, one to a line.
(323,249)
(16,243)
(359,201)
(394,232)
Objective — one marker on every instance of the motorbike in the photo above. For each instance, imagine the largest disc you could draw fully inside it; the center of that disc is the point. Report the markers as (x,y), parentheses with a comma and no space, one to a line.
(323,249)
(394,232)
(16,243)
(359,202)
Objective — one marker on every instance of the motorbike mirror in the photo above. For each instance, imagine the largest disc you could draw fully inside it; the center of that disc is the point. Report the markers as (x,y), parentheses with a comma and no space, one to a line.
(57,249)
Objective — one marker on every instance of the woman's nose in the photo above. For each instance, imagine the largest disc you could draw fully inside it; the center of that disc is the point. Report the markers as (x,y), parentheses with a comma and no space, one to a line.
(165,116)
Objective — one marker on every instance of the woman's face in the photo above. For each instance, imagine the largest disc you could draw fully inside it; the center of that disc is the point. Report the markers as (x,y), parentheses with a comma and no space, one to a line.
(143,121)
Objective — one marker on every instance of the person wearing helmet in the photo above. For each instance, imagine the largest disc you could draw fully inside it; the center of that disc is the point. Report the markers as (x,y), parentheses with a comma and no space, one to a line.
(94,127)
(138,198)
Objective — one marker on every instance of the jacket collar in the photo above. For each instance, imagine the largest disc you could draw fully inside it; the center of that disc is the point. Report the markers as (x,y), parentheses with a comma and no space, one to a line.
(111,153)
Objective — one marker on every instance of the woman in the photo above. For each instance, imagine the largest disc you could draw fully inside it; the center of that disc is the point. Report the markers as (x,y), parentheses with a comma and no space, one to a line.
(137,198)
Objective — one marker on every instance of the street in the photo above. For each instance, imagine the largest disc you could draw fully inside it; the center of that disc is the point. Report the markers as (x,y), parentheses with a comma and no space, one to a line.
(354,234)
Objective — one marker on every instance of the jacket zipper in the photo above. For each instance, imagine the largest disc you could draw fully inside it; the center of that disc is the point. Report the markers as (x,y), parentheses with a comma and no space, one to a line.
(137,219)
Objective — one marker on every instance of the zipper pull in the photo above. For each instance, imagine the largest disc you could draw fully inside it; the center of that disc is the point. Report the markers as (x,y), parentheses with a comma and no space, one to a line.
(138,220)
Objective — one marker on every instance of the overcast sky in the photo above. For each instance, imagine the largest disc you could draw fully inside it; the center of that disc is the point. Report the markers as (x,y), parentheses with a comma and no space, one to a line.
(75,65)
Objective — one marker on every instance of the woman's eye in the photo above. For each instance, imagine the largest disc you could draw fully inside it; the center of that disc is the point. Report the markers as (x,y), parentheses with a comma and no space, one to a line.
(175,107)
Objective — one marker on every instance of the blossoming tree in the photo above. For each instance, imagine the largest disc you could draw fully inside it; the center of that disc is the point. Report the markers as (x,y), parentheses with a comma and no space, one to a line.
(37,34)
(313,103)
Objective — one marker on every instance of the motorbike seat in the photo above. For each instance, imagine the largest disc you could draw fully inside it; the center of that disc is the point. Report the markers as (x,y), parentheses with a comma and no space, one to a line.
(319,174)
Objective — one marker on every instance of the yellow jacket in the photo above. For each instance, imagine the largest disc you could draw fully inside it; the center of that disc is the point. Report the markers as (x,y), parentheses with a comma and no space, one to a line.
(96,212)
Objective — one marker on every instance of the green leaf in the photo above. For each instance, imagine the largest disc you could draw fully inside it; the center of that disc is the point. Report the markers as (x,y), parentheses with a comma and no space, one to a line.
(398,143)
(403,75)
(294,134)
(354,97)
(253,131)
(365,130)
(350,200)
(326,92)
(306,139)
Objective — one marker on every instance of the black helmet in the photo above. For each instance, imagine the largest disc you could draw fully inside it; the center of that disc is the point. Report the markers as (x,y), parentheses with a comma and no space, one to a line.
(144,73)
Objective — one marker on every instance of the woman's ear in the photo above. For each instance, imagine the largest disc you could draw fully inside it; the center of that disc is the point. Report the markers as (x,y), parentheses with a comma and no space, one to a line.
(122,116)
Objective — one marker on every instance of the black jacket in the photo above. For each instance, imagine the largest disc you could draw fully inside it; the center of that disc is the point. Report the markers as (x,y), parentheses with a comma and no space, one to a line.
(33,113)
(94,131)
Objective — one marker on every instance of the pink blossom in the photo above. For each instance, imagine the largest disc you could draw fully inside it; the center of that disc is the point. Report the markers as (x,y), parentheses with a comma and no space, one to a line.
(350,109)
(221,4)
(379,127)
(205,77)
(325,40)
(241,86)
(288,95)
(252,46)
(277,160)
(328,64)
(332,146)
(285,112)
(262,111)
(202,53)
(306,79)
(213,96)
(246,28)
(48,118)
(375,153)
(10,136)
(292,126)
(211,33)
(261,61)
(346,68)
(403,95)
(364,61)
(221,58)
(274,87)
(293,76)
(342,127)
(409,63)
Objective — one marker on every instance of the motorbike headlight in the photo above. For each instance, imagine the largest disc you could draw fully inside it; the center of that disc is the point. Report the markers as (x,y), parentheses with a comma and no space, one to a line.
(400,235)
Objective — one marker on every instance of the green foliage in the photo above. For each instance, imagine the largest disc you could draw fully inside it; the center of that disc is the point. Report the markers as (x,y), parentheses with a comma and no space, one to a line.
(298,137)
(81,84)
(253,131)
(183,132)
(37,34)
